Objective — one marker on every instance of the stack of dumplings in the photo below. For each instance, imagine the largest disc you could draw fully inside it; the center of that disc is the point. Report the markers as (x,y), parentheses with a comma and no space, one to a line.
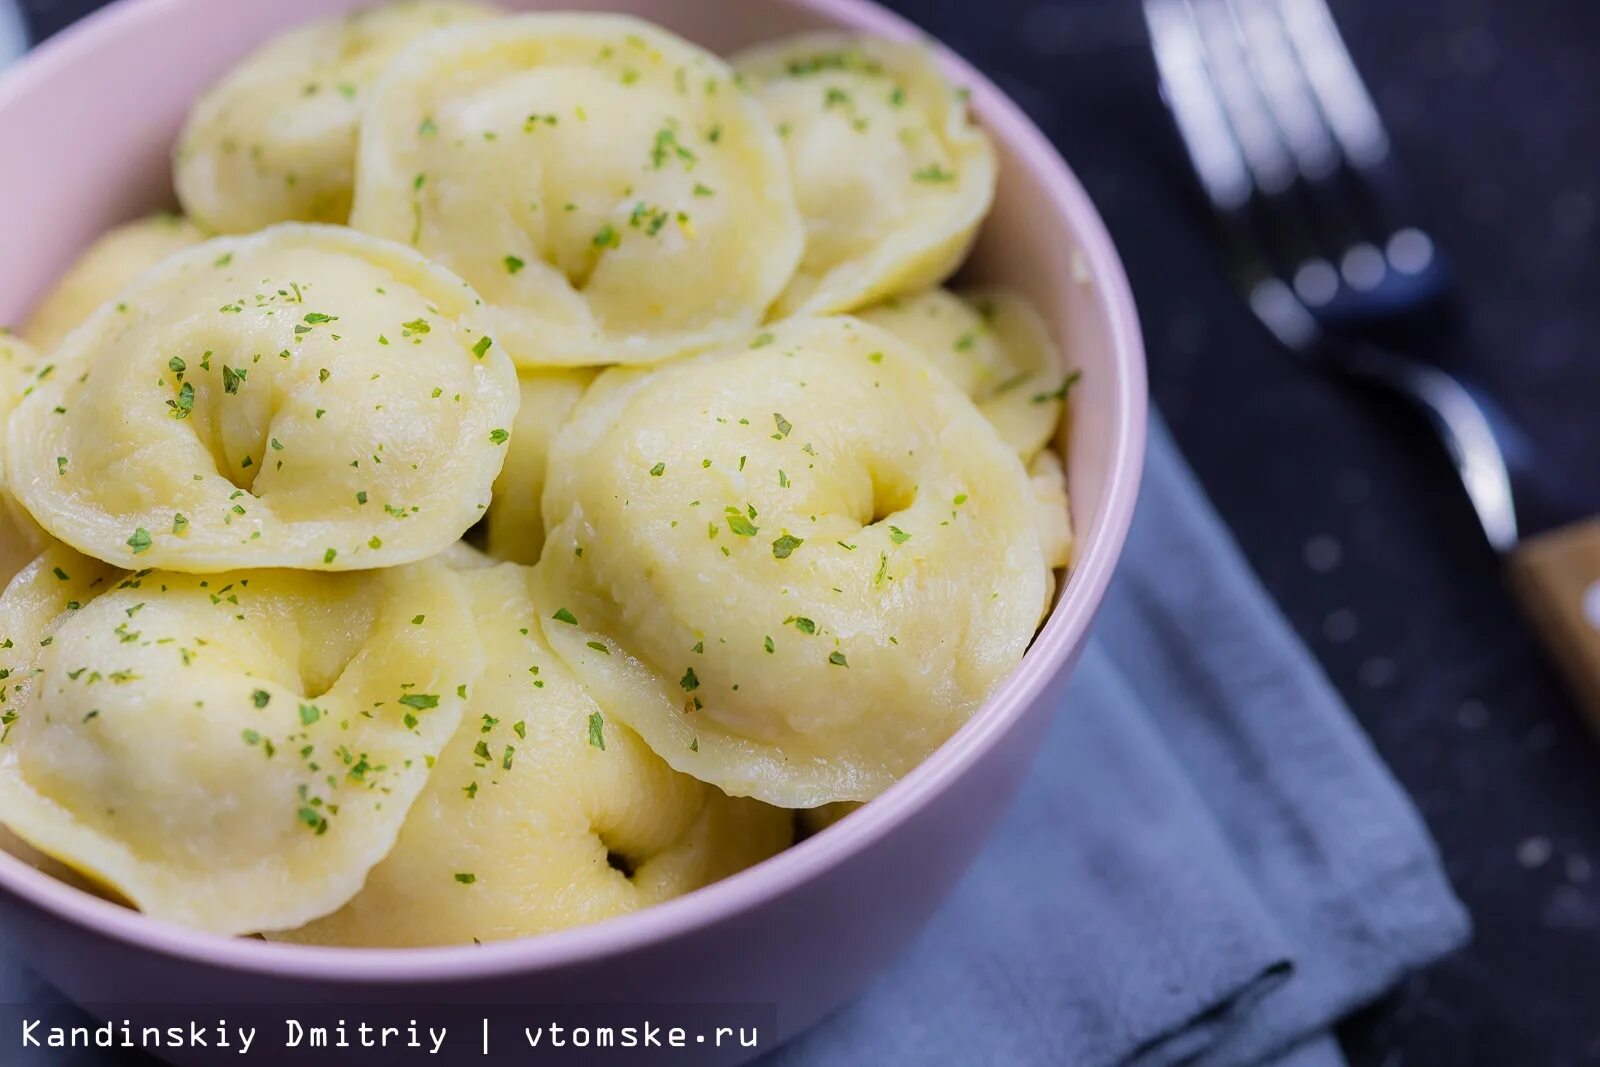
(538,471)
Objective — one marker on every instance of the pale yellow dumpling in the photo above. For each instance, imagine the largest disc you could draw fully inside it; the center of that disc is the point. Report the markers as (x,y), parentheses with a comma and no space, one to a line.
(275,140)
(795,567)
(21,538)
(994,346)
(235,752)
(606,186)
(892,174)
(306,396)
(1049,481)
(114,260)
(515,524)
(543,812)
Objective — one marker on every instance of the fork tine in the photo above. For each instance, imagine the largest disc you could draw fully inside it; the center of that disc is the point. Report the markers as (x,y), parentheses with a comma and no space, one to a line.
(1196,109)
(1227,59)
(1285,87)
(1335,221)
(1210,137)
(1335,81)
(1347,107)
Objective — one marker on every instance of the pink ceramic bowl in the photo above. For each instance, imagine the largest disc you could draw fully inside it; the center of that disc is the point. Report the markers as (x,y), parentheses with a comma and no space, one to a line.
(87,123)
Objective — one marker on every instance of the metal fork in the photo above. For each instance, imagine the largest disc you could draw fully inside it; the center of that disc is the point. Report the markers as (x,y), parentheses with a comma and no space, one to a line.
(1324,246)
(1317,225)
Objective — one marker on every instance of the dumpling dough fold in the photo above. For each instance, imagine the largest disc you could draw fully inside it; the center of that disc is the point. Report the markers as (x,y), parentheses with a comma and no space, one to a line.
(796,567)
(996,349)
(231,752)
(111,262)
(543,812)
(892,174)
(606,186)
(307,396)
(275,139)
(515,526)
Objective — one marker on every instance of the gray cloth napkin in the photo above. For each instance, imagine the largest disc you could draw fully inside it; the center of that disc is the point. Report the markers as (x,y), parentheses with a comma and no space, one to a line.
(1208,865)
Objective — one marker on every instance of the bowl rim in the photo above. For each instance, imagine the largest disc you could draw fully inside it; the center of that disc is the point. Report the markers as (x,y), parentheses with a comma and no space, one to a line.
(1062,636)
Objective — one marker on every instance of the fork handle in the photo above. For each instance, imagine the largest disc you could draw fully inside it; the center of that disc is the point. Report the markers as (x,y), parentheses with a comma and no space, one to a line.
(1556,576)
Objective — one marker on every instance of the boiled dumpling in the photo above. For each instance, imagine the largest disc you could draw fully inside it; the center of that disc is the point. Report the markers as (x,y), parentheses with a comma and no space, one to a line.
(515,524)
(275,140)
(21,539)
(307,396)
(794,568)
(1049,481)
(235,752)
(992,344)
(892,175)
(605,185)
(97,275)
(996,349)
(1053,515)
(543,812)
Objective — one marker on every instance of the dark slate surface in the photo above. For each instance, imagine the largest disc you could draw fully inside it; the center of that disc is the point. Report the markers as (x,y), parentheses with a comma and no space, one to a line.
(1340,503)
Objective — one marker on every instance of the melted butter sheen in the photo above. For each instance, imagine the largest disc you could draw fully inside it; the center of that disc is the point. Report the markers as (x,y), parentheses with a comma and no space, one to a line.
(794,567)
(304,397)
(233,752)
(543,812)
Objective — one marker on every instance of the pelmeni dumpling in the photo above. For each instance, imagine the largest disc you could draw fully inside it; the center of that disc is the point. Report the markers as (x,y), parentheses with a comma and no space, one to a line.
(307,396)
(543,812)
(20,537)
(1049,483)
(892,175)
(605,185)
(1053,514)
(235,752)
(794,568)
(515,524)
(114,260)
(995,348)
(275,140)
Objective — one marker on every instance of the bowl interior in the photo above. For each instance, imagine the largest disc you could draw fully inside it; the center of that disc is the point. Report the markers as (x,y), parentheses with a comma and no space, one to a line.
(88,122)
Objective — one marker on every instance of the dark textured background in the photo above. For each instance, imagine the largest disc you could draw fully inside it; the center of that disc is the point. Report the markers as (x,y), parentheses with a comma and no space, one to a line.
(1340,503)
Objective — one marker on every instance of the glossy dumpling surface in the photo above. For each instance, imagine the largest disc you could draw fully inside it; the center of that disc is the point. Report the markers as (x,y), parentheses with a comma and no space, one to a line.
(113,261)
(235,752)
(543,812)
(605,185)
(892,175)
(995,348)
(515,523)
(1049,482)
(794,568)
(20,537)
(307,396)
(275,140)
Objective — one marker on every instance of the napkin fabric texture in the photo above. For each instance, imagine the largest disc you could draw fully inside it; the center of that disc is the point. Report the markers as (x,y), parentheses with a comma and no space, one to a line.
(1208,865)
(13,36)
